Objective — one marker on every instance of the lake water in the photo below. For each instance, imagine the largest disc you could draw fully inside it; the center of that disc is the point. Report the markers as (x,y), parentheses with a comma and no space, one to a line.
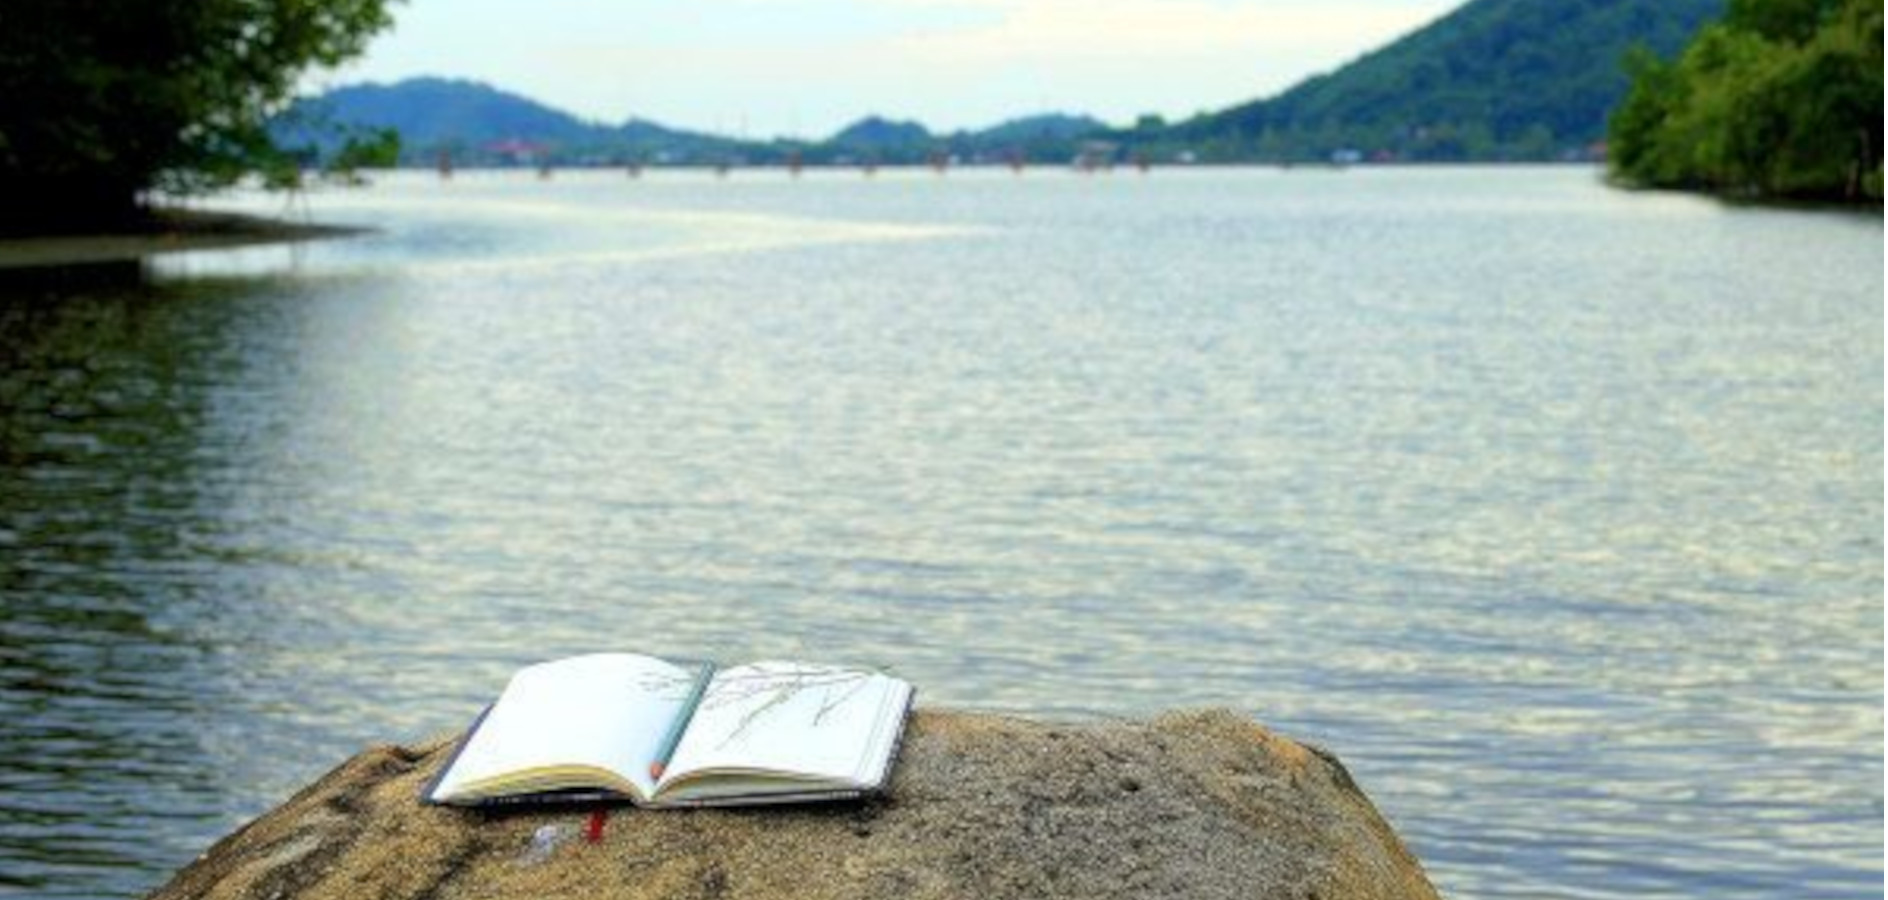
(1555,510)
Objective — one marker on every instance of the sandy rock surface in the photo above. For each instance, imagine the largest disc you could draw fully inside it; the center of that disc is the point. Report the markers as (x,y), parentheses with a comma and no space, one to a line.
(1193,804)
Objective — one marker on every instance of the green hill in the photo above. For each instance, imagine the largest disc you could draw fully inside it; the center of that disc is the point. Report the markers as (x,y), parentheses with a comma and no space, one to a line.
(1495,79)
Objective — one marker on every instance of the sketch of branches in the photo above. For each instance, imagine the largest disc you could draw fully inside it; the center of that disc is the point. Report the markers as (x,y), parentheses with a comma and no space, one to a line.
(772,688)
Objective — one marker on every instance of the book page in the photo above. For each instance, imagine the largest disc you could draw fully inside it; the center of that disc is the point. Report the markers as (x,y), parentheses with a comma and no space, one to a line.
(794,719)
(604,710)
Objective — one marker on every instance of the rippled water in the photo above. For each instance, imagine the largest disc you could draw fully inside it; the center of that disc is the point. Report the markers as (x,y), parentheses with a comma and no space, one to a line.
(1555,510)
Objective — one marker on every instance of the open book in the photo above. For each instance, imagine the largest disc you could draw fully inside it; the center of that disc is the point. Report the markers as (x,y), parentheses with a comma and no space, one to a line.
(624,726)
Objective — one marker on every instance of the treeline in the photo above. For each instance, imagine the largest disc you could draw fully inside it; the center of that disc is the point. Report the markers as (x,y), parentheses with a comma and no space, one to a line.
(1782,98)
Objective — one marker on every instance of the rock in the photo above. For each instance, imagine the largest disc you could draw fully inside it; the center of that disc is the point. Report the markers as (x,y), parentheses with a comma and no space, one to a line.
(1192,804)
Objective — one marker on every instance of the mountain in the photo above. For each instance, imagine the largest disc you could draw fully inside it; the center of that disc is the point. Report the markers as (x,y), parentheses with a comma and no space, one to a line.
(1495,79)
(1039,138)
(1044,127)
(430,111)
(874,133)
(477,123)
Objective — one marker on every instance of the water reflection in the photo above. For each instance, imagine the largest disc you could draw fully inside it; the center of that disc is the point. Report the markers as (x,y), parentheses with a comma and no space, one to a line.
(104,603)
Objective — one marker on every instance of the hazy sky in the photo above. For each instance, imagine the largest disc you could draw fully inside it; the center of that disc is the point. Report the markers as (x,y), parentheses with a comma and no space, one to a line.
(808,67)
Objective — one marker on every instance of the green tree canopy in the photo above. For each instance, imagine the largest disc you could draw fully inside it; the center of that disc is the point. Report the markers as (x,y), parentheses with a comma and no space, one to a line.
(1782,98)
(102,101)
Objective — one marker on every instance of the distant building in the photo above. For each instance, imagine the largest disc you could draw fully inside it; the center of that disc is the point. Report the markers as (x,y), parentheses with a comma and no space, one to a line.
(1095,155)
(517,152)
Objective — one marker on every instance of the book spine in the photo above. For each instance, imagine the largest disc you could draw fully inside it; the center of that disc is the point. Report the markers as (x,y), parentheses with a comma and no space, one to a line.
(431,790)
(559,798)
(763,799)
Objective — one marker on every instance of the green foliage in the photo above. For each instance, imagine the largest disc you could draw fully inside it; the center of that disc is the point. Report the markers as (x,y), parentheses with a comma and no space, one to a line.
(363,148)
(108,99)
(1782,98)
(377,148)
(1791,21)
(1656,92)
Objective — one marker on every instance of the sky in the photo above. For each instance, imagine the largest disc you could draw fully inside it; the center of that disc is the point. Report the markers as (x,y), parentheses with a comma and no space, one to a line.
(806,68)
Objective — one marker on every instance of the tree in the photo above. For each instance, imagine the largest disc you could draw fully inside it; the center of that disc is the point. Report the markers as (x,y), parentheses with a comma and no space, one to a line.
(107,101)
(1633,143)
(1782,98)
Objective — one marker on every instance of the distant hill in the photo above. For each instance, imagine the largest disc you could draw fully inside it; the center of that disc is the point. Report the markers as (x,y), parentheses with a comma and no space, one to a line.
(478,124)
(481,124)
(1044,127)
(1047,125)
(1041,138)
(430,111)
(874,133)
(1495,79)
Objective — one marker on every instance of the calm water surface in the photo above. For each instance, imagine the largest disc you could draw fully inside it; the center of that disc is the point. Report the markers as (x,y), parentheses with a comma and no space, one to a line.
(1557,511)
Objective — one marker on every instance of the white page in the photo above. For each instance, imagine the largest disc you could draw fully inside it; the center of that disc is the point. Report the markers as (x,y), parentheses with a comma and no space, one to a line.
(876,764)
(786,717)
(609,710)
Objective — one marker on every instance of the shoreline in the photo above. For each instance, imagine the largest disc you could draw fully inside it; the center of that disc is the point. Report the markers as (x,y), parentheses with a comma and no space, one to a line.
(1748,200)
(168,231)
